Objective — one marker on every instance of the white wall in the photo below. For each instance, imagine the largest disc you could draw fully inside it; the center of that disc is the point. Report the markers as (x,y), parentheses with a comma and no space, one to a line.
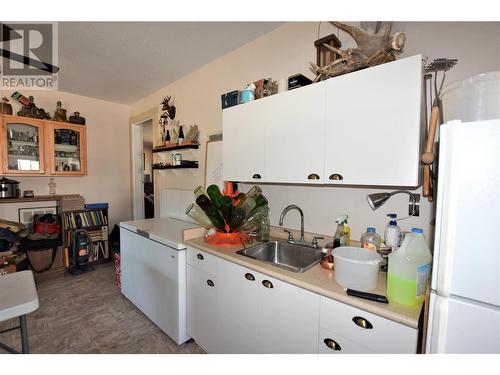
(108,152)
(286,51)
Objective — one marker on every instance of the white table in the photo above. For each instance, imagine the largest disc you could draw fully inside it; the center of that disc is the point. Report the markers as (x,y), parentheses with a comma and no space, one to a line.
(18,297)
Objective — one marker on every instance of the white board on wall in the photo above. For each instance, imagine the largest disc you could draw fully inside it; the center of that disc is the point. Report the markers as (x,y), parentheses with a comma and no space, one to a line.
(213,164)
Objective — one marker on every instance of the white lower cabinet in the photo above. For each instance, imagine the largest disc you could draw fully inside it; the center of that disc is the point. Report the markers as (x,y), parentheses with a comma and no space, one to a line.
(333,343)
(243,311)
(376,334)
(201,309)
(259,314)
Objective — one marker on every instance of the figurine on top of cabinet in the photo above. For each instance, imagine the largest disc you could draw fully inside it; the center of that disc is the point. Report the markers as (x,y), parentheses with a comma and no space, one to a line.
(60,113)
(76,119)
(31,110)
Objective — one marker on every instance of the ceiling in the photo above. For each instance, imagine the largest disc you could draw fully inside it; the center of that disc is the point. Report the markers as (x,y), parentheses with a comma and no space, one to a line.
(124,61)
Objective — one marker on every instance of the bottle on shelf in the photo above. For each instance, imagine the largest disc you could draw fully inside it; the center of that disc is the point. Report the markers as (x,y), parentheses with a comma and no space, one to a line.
(181,135)
(370,240)
(409,270)
(340,239)
(211,211)
(167,136)
(215,195)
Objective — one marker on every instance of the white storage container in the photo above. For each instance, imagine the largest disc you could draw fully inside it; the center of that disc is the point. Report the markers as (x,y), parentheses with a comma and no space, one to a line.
(356,268)
(473,99)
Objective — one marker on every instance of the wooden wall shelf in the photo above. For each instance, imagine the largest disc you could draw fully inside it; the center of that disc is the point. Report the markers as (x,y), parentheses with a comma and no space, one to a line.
(176,167)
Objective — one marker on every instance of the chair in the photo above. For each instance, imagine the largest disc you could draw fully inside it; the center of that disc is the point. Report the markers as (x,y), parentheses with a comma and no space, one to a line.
(18,297)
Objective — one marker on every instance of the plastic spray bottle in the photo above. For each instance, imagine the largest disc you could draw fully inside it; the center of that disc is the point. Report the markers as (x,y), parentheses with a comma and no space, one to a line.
(340,238)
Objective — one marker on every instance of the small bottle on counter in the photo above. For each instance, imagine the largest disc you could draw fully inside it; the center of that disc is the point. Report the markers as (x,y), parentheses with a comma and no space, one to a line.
(392,233)
(370,240)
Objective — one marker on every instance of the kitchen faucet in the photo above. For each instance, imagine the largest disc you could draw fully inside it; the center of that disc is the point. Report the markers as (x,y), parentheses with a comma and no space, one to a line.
(284,212)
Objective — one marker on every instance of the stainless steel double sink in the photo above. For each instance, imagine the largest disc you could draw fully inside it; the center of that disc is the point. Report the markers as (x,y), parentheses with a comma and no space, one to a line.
(291,256)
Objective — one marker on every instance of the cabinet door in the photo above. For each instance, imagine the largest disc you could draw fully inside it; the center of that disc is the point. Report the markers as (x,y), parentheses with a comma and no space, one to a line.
(371,331)
(150,281)
(333,343)
(238,312)
(294,134)
(373,125)
(202,319)
(22,146)
(243,149)
(288,318)
(67,149)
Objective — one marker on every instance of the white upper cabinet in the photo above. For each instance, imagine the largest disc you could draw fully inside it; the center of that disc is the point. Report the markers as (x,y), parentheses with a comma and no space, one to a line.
(361,128)
(243,148)
(373,125)
(294,135)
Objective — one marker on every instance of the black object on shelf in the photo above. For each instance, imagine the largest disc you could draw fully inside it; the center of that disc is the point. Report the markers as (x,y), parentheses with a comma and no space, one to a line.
(179,147)
(168,166)
(298,80)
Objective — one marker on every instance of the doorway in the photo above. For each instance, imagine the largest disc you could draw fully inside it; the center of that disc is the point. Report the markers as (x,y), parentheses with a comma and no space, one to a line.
(142,172)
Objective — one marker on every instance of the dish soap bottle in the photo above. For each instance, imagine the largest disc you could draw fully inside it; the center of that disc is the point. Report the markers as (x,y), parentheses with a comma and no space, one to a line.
(409,270)
(340,239)
(392,233)
(370,240)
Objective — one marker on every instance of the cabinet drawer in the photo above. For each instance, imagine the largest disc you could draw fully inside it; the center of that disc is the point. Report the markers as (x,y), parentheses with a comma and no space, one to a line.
(374,332)
(333,343)
(201,260)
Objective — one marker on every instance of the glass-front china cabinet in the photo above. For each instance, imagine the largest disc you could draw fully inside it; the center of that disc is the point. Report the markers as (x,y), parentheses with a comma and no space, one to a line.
(66,149)
(23,146)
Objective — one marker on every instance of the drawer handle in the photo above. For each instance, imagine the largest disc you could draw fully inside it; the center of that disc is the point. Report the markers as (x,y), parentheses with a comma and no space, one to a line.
(210,282)
(199,256)
(362,322)
(336,176)
(267,284)
(332,344)
(313,176)
(256,176)
(249,276)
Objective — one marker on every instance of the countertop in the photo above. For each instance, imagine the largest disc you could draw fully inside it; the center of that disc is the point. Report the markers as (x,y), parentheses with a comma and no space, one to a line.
(168,231)
(318,280)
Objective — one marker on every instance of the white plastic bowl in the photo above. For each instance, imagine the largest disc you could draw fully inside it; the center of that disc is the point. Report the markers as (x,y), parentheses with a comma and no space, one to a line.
(356,268)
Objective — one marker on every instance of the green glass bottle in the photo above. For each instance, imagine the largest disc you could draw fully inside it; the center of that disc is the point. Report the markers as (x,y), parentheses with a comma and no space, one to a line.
(252,222)
(237,217)
(211,211)
(215,195)
(227,208)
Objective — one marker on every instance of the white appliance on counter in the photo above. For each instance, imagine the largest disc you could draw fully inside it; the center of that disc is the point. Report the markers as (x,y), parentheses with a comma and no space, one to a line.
(153,271)
(464,315)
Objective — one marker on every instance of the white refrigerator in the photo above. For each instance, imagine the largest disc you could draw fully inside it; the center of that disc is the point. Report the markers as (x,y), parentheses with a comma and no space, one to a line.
(464,314)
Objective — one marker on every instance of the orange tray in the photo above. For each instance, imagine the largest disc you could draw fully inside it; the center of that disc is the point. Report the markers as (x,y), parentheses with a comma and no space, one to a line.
(227,239)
